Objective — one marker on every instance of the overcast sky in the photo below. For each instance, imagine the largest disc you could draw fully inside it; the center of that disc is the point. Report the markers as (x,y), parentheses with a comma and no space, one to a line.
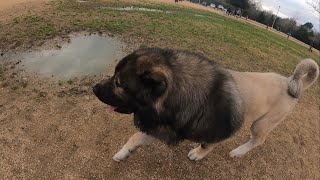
(298,9)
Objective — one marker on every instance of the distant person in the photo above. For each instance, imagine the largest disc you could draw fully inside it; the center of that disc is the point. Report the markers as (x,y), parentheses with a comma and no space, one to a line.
(176,1)
(310,46)
(238,13)
(228,11)
(289,34)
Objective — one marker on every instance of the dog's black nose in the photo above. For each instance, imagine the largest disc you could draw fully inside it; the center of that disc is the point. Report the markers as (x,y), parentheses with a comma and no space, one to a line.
(96,89)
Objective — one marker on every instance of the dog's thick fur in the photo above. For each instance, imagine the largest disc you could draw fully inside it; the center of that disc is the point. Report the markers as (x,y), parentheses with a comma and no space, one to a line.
(177,95)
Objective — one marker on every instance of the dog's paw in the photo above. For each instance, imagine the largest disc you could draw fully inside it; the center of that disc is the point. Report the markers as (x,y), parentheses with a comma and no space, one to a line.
(122,155)
(196,154)
(236,153)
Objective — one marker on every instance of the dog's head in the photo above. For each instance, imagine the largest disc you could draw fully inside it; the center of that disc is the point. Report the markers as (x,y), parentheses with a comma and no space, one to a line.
(141,79)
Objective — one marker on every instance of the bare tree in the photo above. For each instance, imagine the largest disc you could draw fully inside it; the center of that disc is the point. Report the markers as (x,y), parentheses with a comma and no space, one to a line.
(287,24)
(315,38)
(315,4)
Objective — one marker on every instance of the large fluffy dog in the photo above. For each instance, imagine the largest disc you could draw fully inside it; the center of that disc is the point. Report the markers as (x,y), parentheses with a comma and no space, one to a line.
(177,95)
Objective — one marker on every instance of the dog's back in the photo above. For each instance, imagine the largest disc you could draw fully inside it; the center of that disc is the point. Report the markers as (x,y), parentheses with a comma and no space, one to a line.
(268,98)
(261,92)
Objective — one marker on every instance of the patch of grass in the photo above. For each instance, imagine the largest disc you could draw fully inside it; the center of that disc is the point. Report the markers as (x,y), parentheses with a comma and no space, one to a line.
(27,31)
(1,74)
(143,46)
(39,27)
(24,84)
(14,88)
(115,26)
(16,20)
(234,44)
(70,82)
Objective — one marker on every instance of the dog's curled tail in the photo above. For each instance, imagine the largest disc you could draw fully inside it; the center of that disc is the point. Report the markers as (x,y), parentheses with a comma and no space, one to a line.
(305,74)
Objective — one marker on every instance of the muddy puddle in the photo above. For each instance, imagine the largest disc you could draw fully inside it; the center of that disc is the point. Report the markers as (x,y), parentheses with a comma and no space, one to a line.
(83,56)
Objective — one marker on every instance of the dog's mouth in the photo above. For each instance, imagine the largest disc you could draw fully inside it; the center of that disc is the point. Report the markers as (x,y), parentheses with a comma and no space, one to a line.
(115,104)
(120,109)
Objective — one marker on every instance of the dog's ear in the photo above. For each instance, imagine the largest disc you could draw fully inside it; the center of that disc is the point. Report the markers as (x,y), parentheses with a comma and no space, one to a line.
(155,80)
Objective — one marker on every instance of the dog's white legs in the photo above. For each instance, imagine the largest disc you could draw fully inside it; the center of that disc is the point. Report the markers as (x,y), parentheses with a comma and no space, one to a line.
(136,140)
(259,131)
(200,152)
(243,149)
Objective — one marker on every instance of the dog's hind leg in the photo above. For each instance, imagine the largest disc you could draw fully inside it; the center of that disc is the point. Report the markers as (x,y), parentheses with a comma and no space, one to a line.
(136,140)
(200,152)
(259,131)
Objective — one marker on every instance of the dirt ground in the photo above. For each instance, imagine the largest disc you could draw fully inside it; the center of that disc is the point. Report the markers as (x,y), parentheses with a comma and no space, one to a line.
(12,3)
(13,8)
(57,130)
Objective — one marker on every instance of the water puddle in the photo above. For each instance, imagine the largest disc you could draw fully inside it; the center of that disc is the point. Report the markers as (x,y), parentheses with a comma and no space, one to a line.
(84,55)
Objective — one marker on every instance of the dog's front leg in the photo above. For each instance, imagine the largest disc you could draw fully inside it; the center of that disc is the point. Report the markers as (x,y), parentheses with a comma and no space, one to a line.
(200,152)
(136,140)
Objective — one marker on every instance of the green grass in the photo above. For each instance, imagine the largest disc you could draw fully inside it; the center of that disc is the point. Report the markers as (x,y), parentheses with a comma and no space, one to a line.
(26,31)
(1,73)
(37,26)
(98,25)
(233,44)
(70,82)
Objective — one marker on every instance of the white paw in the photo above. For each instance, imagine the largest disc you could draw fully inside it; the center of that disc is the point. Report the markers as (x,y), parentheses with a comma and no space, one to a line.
(121,155)
(195,154)
(236,153)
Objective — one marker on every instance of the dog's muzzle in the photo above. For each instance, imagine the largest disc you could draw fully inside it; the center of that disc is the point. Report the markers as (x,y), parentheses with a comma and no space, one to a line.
(106,96)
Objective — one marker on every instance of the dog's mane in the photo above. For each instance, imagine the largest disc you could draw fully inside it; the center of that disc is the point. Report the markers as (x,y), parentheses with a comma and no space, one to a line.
(202,104)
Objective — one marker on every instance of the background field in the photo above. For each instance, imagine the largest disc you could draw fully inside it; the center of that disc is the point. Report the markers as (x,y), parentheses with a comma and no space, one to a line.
(55,129)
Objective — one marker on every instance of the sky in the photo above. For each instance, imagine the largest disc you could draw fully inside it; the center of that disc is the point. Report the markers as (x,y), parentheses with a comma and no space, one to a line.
(298,9)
